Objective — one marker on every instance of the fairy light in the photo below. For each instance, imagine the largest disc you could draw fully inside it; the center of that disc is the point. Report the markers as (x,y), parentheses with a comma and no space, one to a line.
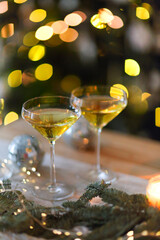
(36,187)
(82,14)
(144,233)
(20,1)
(116,23)
(7,30)
(142,13)
(131,67)
(31,227)
(28,173)
(33,169)
(59,27)
(95,21)
(43,215)
(24,190)
(157,117)
(36,53)
(15,78)
(67,233)
(130,233)
(145,96)
(10,117)
(29,39)
(38,15)
(105,15)
(69,36)
(24,169)
(44,33)
(3,7)
(44,71)
(57,232)
(73,19)
(79,233)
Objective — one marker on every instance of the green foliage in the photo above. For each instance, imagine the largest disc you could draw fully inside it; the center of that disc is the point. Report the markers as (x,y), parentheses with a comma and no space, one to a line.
(119,214)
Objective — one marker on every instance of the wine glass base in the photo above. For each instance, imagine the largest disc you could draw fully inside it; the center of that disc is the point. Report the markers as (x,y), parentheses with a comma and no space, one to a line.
(60,192)
(101,175)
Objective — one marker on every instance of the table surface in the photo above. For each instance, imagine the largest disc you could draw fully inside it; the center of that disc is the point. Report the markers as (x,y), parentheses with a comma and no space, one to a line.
(119,152)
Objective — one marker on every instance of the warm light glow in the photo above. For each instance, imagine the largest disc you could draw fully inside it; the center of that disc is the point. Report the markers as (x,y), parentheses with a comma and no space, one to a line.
(130,233)
(10,117)
(44,33)
(29,39)
(157,117)
(38,15)
(145,95)
(82,14)
(122,87)
(153,191)
(95,21)
(105,15)
(44,71)
(70,82)
(7,30)
(3,7)
(142,13)
(147,6)
(20,1)
(69,36)
(73,19)
(36,53)
(116,92)
(59,27)
(15,78)
(131,67)
(116,23)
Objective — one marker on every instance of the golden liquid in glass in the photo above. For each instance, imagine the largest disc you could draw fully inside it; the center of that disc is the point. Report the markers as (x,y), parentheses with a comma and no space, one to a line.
(51,122)
(100,110)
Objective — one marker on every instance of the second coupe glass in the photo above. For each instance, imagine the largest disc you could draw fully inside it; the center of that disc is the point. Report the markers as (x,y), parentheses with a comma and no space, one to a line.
(99,105)
(51,117)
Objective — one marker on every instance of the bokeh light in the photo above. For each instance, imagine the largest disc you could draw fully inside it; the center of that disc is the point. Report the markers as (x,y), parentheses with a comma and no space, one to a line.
(44,33)
(28,77)
(105,15)
(131,67)
(142,13)
(59,27)
(69,36)
(36,53)
(3,7)
(73,19)
(29,39)
(95,21)
(82,14)
(7,30)
(122,87)
(15,78)
(38,15)
(157,117)
(20,1)
(116,23)
(44,71)
(70,82)
(10,117)
(54,41)
(145,96)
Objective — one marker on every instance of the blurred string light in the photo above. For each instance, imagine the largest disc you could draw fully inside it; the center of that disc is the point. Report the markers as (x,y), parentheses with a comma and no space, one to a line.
(73,19)
(157,117)
(82,15)
(44,71)
(106,18)
(122,87)
(10,117)
(131,67)
(145,96)
(38,15)
(29,39)
(3,7)
(15,78)
(7,30)
(70,82)
(44,33)
(20,1)
(36,53)
(142,13)
(116,23)
(59,27)
(69,36)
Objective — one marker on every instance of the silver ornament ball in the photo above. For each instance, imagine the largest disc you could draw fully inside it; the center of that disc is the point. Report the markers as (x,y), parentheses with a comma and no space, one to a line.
(24,150)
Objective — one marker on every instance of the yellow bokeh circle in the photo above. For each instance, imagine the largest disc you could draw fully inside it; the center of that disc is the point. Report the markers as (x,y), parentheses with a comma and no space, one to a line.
(38,15)
(44,33)
(36,53)
(15,78)
(131,67)
(10,117)
(44,71)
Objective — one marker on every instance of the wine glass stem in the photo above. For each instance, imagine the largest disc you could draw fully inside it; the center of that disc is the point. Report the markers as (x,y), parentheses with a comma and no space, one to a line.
(52,166)
(98,149)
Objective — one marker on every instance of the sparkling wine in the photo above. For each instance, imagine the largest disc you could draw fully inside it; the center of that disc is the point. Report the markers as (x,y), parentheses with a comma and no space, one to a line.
(51,122)
(100,110)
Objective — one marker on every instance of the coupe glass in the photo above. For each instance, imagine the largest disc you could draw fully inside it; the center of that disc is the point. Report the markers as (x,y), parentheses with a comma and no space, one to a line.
(99,105)
(51,116)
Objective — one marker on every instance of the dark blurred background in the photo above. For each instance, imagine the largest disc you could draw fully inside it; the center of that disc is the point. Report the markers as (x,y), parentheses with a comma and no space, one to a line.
(85,42)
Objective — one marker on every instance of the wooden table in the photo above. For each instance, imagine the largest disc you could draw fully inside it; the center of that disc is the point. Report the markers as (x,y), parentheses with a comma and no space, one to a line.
(122,153)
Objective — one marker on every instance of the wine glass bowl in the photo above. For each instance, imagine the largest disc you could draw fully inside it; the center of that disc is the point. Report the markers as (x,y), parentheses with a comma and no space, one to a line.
(51,116)
(99,105)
